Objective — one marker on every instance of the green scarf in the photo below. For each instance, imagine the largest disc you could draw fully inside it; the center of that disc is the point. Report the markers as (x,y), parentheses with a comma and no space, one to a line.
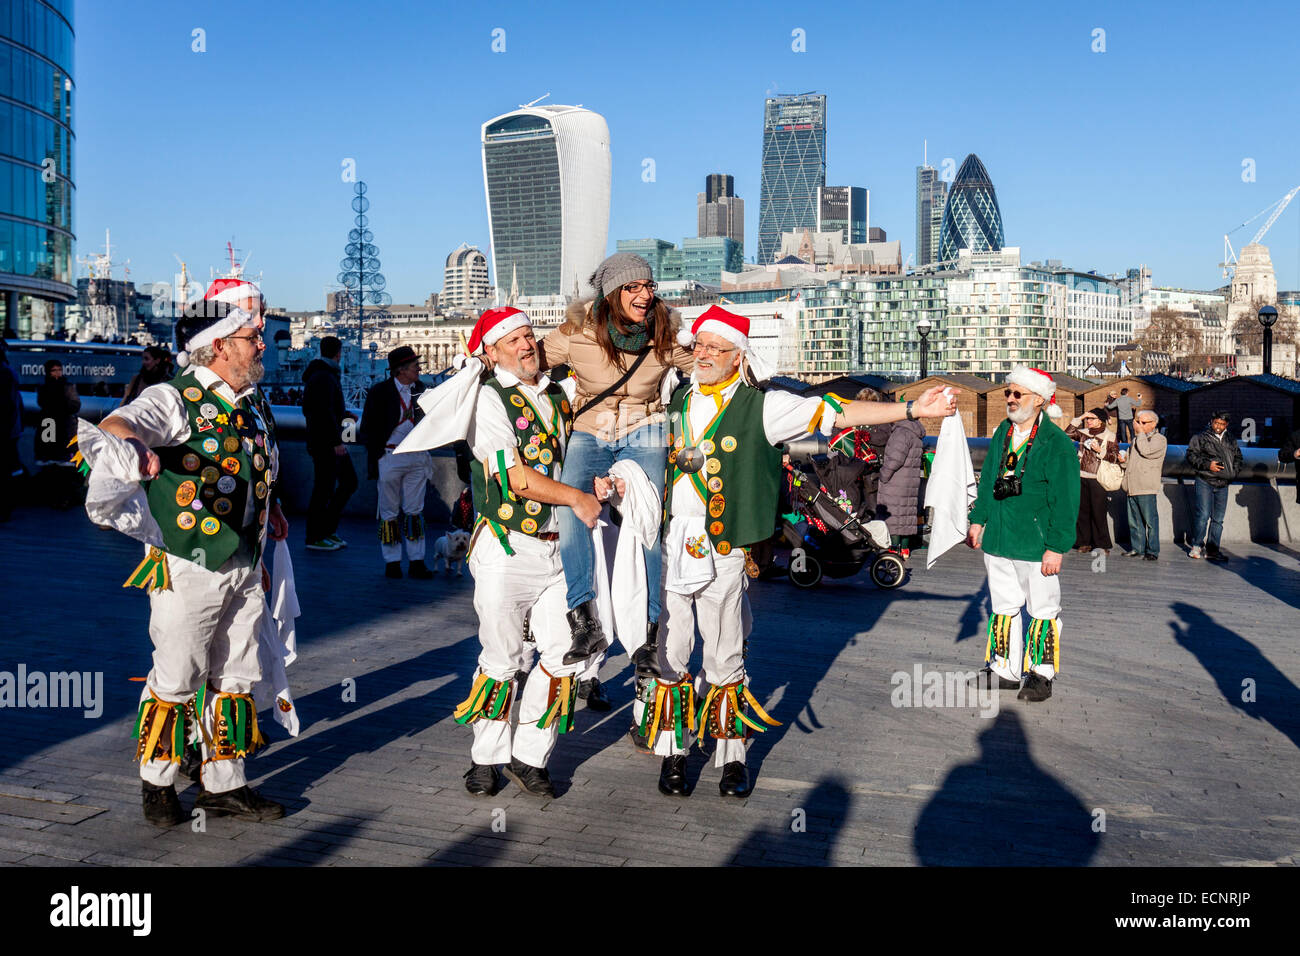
(634,340)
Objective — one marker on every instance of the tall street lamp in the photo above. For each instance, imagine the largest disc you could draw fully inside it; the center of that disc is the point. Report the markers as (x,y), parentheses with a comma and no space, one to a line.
(1267,316)
(923,327)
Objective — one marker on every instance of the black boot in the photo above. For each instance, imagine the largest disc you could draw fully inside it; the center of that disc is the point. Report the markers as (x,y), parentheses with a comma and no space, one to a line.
(672,777)
(1036,688)
(419,570)
(735,780)
(594,695)
(588,637)
(482,780)
(534,780)
(191,761)
(393,569)
(161,806)
(646,657)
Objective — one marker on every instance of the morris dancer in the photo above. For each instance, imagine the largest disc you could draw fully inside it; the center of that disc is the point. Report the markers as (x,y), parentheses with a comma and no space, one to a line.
(391,412)
(203,444)
(518,436)
(1024,518)
(724,473)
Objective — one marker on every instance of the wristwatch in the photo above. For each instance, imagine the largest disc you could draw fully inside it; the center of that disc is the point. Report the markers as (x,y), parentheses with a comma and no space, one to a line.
(910,416)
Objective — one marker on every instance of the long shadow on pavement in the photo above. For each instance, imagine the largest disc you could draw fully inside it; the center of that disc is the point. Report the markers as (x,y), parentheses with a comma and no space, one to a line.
(1232,661)
(1004,810)
(810,837)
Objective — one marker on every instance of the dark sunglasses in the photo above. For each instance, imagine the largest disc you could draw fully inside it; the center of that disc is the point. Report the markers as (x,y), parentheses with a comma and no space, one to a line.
(1012,393)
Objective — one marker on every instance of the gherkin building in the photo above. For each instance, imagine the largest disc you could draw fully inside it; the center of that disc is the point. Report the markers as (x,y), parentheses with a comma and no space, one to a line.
(971,218)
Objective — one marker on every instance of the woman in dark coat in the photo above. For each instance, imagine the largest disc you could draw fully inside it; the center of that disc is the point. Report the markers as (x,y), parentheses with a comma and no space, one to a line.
(59,404)
(899,497)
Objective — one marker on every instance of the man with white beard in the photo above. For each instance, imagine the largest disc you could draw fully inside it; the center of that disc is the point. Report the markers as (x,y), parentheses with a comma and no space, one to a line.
(1024,519)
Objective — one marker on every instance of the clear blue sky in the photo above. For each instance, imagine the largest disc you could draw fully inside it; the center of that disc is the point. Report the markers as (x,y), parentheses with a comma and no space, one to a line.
(1103,160)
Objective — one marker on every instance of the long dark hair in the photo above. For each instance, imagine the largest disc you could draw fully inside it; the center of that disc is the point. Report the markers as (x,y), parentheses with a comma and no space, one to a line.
(659,319)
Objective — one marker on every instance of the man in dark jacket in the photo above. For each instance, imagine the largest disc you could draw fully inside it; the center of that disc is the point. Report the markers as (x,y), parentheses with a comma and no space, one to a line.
(391,412)
(335,478)
(1217,460)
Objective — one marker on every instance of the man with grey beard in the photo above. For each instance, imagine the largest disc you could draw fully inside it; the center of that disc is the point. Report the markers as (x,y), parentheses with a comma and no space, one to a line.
(207,457)
(1024,519)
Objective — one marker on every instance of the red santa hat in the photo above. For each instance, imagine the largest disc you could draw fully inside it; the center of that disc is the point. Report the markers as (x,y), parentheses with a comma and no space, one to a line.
(734,328)
(494,325)
(715,319)
(1038,382)
(202,327)
(232,291)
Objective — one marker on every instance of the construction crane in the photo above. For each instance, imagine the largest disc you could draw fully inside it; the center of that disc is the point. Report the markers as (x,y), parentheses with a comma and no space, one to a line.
(1229,263)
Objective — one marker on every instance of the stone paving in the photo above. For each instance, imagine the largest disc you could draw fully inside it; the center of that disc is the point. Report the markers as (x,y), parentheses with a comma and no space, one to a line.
(1173,737)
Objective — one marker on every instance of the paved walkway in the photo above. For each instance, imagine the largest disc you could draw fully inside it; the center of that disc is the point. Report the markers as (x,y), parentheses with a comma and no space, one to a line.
(1148,753)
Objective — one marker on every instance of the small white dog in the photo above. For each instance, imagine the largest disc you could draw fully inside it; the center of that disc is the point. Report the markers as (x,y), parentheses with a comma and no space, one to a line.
(451,549)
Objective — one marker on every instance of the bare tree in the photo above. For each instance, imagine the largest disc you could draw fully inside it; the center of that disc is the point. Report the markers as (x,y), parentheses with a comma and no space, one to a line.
(1248,334)
(1170,331)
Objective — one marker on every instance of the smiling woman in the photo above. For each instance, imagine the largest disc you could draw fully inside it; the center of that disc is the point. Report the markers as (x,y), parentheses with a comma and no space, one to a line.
(619,346)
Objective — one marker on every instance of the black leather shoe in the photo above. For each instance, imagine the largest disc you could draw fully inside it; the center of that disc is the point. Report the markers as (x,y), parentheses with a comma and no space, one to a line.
(161,806)
(646,657)
(482,780)
(534,780)
(1218,557)
(243,803)
(594,695)
(1004,684)
(393,569)
(672,777)
(588,636)
(1151,557)
(1036,688)
(420,571)
(735,780)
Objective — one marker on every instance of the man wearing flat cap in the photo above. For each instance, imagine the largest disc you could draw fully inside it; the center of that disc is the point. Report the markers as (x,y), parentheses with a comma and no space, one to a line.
(391,411)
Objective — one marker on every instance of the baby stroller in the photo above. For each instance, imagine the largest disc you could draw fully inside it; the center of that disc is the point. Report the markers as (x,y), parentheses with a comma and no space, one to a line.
(836,542)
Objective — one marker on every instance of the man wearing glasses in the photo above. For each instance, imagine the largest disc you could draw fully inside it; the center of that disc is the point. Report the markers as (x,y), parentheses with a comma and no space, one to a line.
(724,476)
(204,448)
(1024,518)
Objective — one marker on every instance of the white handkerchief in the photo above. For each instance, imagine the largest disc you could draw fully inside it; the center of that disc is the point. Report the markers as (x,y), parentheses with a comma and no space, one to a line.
(690,555)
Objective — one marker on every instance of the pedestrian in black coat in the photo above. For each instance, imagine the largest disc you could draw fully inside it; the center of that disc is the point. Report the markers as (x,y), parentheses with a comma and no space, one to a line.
(335,478)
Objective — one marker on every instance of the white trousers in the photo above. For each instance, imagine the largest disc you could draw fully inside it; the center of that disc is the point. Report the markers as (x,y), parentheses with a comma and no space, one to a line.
(506,587)
(1017,584)
(720,610)
(402,482)
(204,630)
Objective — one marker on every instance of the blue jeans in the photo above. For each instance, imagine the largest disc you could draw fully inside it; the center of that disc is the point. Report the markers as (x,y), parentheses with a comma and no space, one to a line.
(585,458)
(1143,524)
(1211,502)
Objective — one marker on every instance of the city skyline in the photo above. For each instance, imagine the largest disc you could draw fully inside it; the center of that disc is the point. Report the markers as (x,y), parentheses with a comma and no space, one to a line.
(1154,169)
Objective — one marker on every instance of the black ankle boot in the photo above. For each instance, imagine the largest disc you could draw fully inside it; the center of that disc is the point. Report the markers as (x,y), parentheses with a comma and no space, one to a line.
(646,657)
(588,637)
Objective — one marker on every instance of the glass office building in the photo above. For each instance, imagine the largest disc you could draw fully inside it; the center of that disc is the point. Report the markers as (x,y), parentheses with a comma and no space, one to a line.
(931,194)
(869,324)
(844,209)
(704,259)
(794,166)
(36,188)
(665,259)
(546,170)
(971,218)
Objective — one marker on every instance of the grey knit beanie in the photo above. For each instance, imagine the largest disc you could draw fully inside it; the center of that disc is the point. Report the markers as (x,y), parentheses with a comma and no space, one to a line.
(617,271)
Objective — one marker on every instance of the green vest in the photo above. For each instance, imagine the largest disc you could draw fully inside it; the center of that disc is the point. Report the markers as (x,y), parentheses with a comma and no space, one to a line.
(740,482)
(199,496)
(537,436)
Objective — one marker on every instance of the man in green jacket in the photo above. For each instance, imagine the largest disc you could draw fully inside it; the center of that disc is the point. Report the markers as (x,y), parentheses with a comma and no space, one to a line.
(1024,518)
